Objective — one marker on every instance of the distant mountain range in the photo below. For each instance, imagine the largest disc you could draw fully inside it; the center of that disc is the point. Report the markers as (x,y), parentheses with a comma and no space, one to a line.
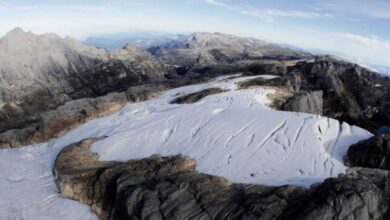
(142,39)
(149,40)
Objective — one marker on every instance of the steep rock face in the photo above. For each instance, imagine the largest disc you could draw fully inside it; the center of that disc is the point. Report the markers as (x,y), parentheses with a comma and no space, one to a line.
(310,102)
(350,92)
(336,89)
(39,73)
(360,194)
(33,66)
(374,153)
(170,188)
(28,60)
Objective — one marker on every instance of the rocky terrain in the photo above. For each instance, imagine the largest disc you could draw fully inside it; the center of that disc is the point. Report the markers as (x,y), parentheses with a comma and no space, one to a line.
(209,126)
(143,39)
(372,153)
(206,49)
(170,188)
(42,72)
(336,89)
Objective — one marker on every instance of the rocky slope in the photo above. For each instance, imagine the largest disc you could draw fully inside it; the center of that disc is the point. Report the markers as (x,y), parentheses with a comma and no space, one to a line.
(39,73)
(372,153)
(350,93)
(142,39)
(208,49)
(336,89)
(170,188)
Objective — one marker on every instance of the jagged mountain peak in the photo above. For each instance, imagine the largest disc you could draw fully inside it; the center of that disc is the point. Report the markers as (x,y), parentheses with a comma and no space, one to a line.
(27,58)
(18,35)
(130,51)
(26,42)
(131,46)
(16,31)
(217,40)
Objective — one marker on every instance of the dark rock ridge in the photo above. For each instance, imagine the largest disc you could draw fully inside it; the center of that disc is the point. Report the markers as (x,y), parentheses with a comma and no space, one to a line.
(350,93)
(196,96)
(170,188)
(373,153)
(336,89)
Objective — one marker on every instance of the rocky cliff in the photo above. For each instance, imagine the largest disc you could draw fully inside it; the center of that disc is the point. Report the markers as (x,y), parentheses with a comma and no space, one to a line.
(170,188)
(39,73)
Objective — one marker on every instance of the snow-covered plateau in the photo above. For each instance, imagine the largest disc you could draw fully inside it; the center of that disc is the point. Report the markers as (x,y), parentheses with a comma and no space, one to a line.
(233,134)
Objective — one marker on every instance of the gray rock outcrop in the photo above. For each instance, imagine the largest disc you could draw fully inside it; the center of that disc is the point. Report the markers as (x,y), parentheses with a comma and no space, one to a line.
(196,96)
(350,92)
(55,122)
(39,73)
(373,153)
(170,188)
(309,102)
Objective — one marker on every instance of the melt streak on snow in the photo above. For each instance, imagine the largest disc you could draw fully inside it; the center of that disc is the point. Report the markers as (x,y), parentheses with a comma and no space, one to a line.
(232,134)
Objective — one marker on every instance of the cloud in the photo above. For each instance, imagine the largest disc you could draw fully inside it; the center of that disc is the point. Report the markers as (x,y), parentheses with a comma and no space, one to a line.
(371,42)
(270,14)
(371,8)
(40,8)
(369,49)
(222,5)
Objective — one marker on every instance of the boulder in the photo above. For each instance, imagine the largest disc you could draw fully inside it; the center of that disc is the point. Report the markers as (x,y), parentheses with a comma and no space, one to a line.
(373,153)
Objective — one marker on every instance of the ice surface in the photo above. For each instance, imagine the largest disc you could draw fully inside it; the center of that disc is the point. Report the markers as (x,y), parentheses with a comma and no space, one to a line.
(232,134)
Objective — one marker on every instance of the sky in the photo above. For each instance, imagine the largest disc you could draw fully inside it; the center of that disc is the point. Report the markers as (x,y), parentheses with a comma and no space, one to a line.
(357,29)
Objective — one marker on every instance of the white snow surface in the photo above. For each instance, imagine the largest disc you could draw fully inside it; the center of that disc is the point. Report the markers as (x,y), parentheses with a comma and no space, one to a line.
(232,134)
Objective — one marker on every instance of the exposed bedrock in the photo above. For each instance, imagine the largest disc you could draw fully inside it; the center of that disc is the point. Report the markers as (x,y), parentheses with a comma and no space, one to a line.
(196,96)
(39,73)
(349,92)
(309,102)
(53,123)
(373,153)
(170,188)
(295,100)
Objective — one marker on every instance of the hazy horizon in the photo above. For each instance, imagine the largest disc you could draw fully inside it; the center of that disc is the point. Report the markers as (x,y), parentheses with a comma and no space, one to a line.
(357,29)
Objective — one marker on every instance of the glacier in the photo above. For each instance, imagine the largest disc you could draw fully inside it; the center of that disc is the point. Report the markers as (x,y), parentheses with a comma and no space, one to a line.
(234,134)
